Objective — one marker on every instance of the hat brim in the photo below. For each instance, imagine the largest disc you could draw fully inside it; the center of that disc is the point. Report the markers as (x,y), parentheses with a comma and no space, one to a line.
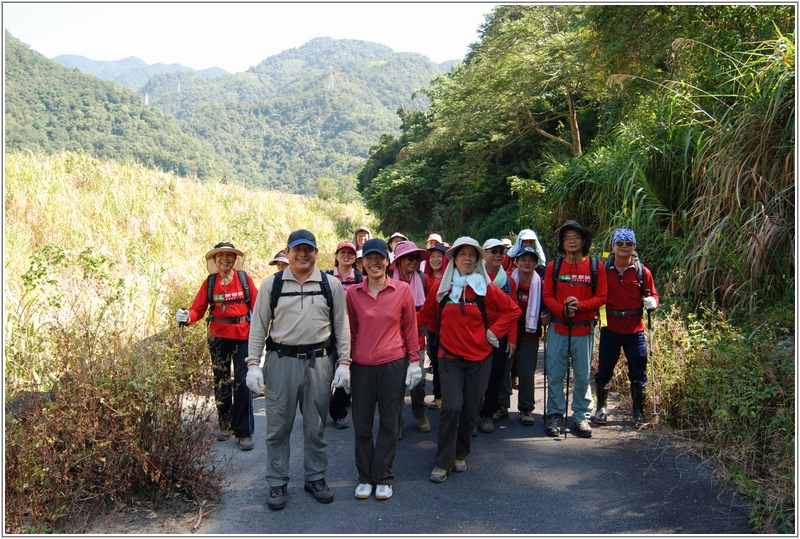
(212,266)
(451,252)
(213,252)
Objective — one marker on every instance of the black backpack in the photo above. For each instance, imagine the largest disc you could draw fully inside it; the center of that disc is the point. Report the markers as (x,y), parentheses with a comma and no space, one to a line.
(325,290)
(356,275)
(637,264)
(211,280)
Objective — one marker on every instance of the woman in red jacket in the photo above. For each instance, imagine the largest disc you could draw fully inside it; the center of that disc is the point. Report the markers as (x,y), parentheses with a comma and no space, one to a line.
(228,331)
(471,315)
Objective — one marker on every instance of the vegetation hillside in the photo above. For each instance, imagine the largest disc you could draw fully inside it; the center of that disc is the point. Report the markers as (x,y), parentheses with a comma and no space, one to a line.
(51,108)
(306,113)
(132,72)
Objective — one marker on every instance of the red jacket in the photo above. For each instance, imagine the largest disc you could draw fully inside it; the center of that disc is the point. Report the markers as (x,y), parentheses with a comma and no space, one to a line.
(464,334)
(575,280)
(624,295)
(233,291)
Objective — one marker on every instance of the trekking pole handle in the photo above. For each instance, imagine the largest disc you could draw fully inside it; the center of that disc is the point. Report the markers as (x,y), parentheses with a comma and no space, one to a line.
(649,321)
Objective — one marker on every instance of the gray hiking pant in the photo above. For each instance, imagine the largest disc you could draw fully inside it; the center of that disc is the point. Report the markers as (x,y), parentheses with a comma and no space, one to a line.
(290,381)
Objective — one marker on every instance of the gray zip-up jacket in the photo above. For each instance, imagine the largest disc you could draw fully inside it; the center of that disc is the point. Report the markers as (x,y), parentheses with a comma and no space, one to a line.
(299,320)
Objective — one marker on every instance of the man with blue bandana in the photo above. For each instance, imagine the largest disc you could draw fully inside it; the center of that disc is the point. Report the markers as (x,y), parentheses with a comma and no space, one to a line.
(631,292)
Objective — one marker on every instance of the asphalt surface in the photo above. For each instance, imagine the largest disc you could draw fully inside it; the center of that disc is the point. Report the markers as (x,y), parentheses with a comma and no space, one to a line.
(518,481)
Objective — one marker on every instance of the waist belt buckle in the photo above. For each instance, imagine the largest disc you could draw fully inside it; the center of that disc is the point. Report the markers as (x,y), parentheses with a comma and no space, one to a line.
(302,355)
(624,313)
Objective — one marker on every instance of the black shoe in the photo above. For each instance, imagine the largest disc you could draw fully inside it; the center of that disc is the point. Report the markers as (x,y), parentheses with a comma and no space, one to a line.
(341,423)
(320,490)
(277,498)
(553,424)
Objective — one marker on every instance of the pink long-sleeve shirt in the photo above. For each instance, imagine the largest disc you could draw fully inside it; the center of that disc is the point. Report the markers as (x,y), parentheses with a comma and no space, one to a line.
(377,324)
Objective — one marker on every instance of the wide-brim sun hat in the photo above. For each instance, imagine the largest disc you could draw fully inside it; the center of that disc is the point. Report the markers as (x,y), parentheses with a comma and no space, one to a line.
(223,247)
(405,248)
(396,235)
(461,242)
(574,225)
(279,257)
(435,237)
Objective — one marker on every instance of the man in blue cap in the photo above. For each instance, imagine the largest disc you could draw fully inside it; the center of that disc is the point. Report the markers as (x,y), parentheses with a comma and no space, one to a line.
(300,330)
(631,293)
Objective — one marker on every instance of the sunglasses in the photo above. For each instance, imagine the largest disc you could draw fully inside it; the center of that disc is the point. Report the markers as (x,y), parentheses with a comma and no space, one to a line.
(624,244)
(412,258)
(497,251)
(573,238)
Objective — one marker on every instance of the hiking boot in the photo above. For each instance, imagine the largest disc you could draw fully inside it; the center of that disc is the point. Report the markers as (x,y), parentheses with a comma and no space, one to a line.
(439,475)
(423,425)
(487,425)
(526,418)
(320,490)
(277,498)
(637,398)
(383,492)
(460,466)
(246,443)
(341,423)
(224,435)
(601,415)
(582,429)
(435,405)
(553,424)
(363,491)
(500,414)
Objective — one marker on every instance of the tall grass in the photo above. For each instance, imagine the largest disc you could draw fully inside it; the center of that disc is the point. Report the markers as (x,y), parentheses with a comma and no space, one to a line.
(98,256)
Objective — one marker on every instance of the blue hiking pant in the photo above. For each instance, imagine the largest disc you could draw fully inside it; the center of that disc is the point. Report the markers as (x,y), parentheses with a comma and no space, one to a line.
(635,347)
(556,363)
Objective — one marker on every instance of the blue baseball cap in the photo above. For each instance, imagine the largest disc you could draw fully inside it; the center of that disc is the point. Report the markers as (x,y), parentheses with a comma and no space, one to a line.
(527,250)
(302,236)
(375,245)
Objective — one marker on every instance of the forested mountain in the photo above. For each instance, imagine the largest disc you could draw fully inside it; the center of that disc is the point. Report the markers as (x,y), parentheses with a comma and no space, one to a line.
(308,113)
(133,72)
(51,108)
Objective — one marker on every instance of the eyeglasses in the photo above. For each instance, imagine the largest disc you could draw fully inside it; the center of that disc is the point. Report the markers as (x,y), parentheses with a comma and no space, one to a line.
(497,251)
(573,238)
(412,258)
(624,244)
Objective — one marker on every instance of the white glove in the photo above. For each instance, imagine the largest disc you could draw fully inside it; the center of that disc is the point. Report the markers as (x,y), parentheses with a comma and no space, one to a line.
(413,375)
(341,377)
(649,303)
(182,316)
(492,339)
(255,378)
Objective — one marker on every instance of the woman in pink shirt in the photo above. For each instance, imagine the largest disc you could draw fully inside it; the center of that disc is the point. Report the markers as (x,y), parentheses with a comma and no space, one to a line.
(383,365)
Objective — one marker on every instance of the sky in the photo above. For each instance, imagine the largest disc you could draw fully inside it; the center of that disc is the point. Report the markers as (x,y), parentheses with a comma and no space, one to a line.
(236,36)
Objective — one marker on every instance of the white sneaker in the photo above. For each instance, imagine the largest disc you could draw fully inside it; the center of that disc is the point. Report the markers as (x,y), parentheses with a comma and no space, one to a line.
(383,492)
(460,466)
(363,491)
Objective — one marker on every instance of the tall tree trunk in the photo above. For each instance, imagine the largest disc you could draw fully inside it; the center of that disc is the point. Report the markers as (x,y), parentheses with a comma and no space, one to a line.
(573,124)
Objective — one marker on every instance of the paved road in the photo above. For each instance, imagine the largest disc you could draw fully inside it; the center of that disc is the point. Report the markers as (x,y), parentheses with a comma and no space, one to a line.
(518,481)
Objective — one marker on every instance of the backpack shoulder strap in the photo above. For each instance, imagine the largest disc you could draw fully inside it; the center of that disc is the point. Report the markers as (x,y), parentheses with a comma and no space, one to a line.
(210,282)
(593,267)
(245,288)
(329,272)
(358,276)
(325,286)
(277,287)
(639,275)
(556,269)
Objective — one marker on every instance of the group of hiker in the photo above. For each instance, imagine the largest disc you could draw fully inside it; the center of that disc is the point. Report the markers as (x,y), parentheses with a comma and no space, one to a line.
(357,335)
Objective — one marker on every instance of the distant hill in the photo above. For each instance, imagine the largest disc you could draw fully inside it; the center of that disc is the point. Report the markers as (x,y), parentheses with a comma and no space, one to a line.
(51,108)
(308,113)
(133,72)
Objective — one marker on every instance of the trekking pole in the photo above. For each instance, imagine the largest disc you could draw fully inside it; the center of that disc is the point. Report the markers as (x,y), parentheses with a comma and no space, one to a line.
(569,363)
(544,414)
(181,352)
(650,350)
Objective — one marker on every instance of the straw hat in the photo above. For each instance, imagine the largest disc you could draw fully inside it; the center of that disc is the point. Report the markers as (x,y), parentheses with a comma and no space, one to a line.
(224,247)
